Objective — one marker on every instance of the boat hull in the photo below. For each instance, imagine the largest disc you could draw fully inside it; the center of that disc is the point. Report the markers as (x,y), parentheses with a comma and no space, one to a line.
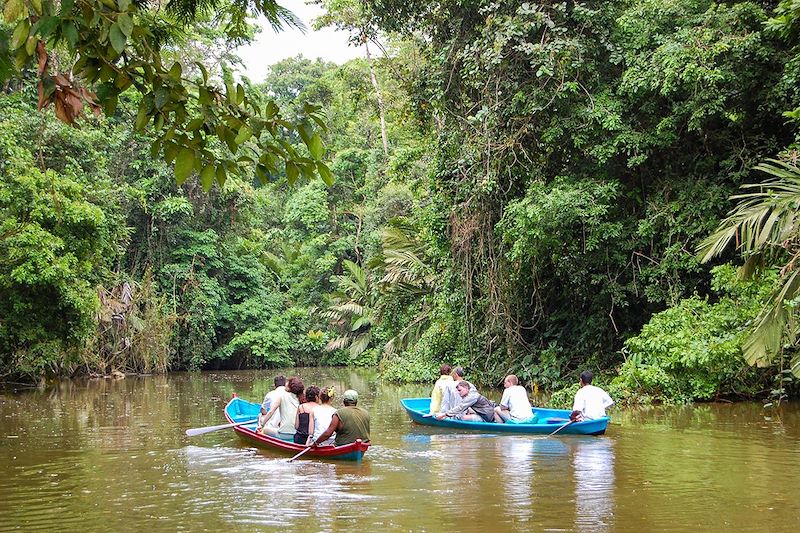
(238,410)
(549,421)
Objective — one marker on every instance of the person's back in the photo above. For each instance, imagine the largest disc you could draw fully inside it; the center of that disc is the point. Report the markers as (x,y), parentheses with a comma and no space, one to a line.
(354,425)
(272,398)
(304,421)
(484,408)
(287,408)
(440,389)
(323,414)
(269,399)
(451,398)
(350,423)
(514,406)
(590,401)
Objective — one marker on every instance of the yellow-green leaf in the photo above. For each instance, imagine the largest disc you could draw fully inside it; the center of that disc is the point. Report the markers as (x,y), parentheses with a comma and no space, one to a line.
(291,172)
(13,10)
(221,175)
(37,6)
(21,33)
(30,45)
(125,23)
(239,94)
(141,118)
(325,173)
(184,164)
(207,177)
(315,147)
(244,134)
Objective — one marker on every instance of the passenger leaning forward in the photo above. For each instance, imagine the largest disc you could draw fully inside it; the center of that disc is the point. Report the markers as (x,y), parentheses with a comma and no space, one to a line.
(473,406)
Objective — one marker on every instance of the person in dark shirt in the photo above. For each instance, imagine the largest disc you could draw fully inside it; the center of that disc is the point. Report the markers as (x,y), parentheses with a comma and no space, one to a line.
(473,407)
(350,423)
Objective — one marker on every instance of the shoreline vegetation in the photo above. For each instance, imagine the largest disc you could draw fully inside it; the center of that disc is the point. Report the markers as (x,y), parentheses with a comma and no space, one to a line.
(512,188)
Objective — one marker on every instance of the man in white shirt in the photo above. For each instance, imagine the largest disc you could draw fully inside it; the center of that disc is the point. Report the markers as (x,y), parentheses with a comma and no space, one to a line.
(590,401)
(270,403)
(514,406)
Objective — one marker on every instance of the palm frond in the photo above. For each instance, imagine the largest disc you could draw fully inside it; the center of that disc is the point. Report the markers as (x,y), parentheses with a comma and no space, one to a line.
(338,343)
(410,334)
(360,344)
(761,219)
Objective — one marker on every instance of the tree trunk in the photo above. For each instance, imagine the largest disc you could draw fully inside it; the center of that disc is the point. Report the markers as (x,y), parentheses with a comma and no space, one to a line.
(381,110)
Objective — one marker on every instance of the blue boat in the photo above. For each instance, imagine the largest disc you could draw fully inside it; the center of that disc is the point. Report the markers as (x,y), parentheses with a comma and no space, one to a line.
(548,421)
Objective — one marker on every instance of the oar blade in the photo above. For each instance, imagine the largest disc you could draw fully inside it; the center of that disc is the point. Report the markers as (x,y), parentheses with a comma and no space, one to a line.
(200,431)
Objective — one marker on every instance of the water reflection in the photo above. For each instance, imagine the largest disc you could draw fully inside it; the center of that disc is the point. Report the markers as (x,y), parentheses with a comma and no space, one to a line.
(593,469)
(517,474)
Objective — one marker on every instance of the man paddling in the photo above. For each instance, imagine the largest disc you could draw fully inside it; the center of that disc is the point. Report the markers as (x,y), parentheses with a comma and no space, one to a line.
(590,401)
(350,423)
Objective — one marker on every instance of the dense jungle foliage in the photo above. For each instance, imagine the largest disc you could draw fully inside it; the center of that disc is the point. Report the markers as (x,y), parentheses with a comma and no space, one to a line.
(519,187)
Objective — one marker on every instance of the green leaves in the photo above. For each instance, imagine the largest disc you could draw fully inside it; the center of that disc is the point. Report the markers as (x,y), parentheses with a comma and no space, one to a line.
(125,24)
(117,38)
(182,113)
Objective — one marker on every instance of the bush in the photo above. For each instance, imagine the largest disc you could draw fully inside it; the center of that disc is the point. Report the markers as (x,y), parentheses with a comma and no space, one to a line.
(693,351)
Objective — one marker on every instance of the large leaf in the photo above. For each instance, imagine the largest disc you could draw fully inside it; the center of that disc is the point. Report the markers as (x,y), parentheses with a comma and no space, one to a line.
(184,164)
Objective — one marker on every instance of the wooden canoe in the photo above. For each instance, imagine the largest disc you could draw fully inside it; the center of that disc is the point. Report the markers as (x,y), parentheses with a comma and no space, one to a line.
(238,410)
(548,421)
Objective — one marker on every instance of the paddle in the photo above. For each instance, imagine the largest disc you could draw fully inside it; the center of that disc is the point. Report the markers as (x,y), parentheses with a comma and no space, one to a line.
(562,427)
(298,455)
(199,431)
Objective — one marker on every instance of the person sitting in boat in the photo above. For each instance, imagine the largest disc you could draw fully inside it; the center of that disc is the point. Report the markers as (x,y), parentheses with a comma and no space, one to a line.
(514,407)
(473,406)
(303,420)
(590,401)
(285,405)
(440,390)
(279,390)
(350,423)
(451,397)
(322,416)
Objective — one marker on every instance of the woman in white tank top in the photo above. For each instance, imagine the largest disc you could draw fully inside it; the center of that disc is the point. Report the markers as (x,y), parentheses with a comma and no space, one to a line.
(322,415)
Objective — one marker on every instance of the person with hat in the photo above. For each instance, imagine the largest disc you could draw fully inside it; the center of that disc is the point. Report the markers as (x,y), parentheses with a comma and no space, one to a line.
(350,423)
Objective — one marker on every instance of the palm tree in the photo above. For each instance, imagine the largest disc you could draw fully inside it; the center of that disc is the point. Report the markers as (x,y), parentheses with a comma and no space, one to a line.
(765,227)
(407,273)
(353,310)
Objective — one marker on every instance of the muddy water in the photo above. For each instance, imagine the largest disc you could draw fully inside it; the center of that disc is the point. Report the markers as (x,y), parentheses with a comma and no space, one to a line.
(112,456)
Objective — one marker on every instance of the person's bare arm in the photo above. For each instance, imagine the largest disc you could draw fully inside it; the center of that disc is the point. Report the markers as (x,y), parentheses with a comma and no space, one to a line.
(310,424)
(272,408)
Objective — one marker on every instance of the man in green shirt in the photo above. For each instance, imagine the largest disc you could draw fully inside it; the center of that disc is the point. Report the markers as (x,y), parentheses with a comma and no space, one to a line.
(350,423)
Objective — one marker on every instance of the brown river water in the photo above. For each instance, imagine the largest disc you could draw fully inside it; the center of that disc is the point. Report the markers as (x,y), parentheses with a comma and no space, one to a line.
(112,456)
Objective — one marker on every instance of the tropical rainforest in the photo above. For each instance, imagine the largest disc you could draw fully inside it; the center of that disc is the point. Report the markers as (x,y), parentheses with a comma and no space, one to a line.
(513,187)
